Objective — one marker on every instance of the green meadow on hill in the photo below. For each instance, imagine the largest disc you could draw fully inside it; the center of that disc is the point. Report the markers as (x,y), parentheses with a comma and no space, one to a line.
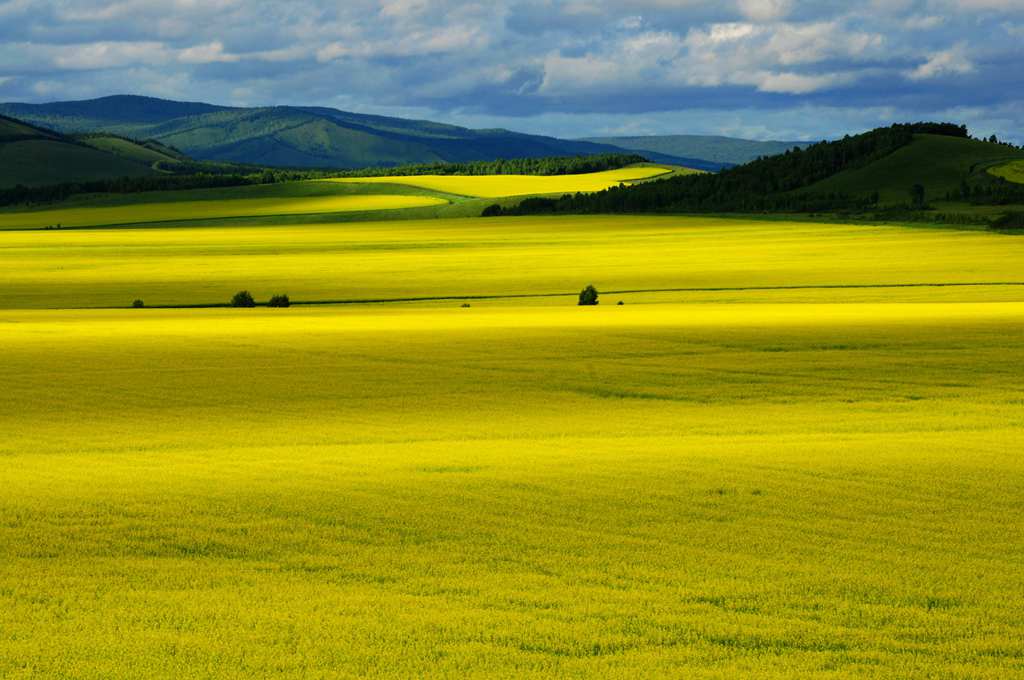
(939,163)
(34,156)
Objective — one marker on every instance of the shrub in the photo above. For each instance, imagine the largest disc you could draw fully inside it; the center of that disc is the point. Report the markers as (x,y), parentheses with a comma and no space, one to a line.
(917,197)
(466,305)
(492,211)
(243,299)
(138,304)
(588,296)
(1011,221)
(279,301)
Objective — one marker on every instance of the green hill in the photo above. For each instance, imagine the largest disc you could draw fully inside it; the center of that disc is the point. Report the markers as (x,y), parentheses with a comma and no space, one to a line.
(314,137)
(34,156)
(936,162)
(870,175)
(725,150)
(147,152)
(1011,172)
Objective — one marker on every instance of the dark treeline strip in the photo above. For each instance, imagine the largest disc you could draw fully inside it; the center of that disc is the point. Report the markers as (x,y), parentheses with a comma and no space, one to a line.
(993,191)
(553,165)
(22,195)
(763,185)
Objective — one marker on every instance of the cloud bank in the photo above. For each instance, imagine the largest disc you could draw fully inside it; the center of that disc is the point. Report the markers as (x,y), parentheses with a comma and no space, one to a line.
(780,68)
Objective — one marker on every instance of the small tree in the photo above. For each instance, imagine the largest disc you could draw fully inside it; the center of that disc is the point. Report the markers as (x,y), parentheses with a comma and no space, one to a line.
(279,301)
(588,296)
(917,197)
(243,299)
(138,304)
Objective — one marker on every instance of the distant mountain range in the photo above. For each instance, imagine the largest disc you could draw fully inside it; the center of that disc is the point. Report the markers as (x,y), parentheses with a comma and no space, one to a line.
(312,137)
(724,150)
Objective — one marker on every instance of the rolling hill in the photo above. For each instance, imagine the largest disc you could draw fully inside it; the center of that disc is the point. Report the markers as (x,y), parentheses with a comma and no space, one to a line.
(937,162)
(724,150)
(286,136)
(870,172)
(35,156)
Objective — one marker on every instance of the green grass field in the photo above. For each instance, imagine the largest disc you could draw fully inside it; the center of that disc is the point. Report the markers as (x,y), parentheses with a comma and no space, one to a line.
(793,452)
(127,149)
(937,163)
(1013,172)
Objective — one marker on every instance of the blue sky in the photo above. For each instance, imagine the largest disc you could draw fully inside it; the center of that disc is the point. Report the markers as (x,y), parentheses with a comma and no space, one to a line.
(785,69)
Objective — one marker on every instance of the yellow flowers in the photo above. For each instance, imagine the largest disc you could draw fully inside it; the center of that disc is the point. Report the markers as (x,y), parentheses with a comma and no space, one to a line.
(172,211)
(794,452)
(495,186)
(615,492)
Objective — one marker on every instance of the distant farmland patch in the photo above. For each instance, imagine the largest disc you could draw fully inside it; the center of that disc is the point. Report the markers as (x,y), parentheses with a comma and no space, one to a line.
(494,186)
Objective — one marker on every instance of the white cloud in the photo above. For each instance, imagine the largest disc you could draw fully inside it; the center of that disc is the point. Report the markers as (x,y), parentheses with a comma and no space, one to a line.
(765,10)
(953,61)
(796,83)
(105,55)
(206,54)
(517,57)
(923,22)
(1016,30)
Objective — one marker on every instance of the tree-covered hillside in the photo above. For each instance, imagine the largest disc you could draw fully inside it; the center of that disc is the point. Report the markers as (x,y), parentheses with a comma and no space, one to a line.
(35,156)
(306,137)
(871,170)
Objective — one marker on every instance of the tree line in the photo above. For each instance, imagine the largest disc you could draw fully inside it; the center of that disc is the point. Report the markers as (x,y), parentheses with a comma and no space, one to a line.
(189,174)
(551,165)
(770,184)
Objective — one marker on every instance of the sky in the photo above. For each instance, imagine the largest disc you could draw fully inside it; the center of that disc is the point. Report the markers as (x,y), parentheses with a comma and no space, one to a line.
(762,69)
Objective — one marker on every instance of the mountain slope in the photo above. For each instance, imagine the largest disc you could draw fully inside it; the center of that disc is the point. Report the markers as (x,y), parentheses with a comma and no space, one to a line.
(34,156)
(302,136)
(147,152)
(867,172)
(938,163)
(725,150)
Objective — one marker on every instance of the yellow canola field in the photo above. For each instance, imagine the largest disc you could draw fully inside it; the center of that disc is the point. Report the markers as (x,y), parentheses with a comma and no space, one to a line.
(496,186)
(209,209)
(509,256)
(749,490)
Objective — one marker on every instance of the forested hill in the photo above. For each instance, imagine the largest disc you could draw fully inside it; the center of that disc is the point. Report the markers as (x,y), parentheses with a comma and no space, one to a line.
(303,137)
(779,183)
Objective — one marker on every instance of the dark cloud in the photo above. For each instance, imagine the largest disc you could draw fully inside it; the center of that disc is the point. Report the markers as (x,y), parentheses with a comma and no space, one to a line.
(656,65)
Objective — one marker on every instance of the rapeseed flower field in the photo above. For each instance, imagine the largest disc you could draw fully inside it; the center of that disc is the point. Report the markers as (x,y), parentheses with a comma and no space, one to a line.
(792,452)
(496,186)
(657,490)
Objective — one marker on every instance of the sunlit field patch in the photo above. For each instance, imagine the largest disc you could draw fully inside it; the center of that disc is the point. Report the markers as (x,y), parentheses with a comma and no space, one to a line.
(641,491)
(208,209)
(730,260)
(1013,171)
(791,452)
(494,186)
